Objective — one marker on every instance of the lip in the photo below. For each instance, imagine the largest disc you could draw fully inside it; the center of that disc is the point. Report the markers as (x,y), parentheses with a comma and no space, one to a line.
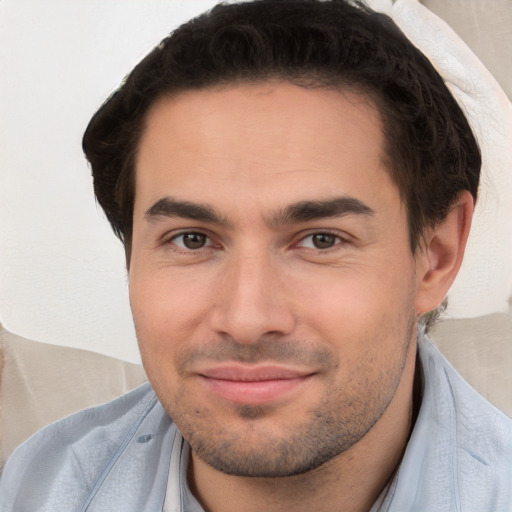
(253,385)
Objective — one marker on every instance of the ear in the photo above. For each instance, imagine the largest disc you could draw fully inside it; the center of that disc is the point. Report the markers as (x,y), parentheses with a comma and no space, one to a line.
(439,260)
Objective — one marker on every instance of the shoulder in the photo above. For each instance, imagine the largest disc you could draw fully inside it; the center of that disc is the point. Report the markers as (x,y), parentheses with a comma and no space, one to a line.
(481,437)
(459,454)
(470,408)
(73,452)
(475,420)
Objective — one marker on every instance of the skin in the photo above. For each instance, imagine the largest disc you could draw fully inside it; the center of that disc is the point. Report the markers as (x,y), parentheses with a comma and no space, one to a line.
(230,269)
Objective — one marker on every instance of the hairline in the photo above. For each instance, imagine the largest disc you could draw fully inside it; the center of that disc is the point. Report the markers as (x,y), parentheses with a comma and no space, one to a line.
(308,82)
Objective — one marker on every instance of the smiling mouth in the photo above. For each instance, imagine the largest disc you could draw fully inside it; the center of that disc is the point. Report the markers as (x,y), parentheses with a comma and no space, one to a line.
(253,385)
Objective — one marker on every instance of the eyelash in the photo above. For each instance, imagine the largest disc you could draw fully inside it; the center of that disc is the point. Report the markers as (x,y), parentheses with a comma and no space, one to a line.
(181,248)
(171,241)
(339,240)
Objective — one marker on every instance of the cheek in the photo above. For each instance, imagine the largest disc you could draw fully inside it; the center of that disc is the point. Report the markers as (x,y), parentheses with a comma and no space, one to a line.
(359,306)
(166,305)
(165,316)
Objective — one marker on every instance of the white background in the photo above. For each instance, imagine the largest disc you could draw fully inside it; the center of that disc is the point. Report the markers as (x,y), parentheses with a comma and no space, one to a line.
(62,273)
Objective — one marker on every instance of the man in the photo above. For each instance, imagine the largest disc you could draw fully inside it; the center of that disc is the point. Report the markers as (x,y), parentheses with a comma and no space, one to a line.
(294,186)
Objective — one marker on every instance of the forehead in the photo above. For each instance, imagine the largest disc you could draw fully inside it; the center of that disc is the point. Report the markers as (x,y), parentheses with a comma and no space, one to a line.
(265,138)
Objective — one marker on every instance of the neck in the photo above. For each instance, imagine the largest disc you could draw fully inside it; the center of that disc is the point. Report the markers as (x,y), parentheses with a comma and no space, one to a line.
(350,482)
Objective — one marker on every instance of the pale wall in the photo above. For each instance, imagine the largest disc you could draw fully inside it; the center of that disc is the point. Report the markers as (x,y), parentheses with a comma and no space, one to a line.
(62,277)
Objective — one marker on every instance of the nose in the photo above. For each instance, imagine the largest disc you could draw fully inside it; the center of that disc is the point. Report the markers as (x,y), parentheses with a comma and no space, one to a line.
(251,301)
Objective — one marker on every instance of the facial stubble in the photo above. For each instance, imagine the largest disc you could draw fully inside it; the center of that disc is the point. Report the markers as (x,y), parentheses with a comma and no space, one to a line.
(249,446)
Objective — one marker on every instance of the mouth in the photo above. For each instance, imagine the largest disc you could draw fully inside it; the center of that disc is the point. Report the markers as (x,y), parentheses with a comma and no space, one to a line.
(253,385)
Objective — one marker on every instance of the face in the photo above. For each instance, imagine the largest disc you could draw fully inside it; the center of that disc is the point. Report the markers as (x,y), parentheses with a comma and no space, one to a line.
(271,281)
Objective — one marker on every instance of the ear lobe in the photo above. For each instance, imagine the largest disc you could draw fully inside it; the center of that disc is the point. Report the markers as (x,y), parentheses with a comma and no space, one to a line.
(438,263)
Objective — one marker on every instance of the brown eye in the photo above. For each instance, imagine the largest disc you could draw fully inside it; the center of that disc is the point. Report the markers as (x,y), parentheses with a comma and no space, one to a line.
(323,240)
(191,241)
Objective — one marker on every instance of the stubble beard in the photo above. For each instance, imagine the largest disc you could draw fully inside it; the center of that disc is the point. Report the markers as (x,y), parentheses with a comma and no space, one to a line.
(338,422)
(308,445)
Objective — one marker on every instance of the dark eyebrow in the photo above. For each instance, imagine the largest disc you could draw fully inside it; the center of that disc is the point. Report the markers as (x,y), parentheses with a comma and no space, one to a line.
(169,207)
(312,210)
(297,212)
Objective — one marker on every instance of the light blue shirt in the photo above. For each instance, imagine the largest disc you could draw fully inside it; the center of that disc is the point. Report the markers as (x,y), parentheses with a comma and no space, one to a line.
(127,454)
